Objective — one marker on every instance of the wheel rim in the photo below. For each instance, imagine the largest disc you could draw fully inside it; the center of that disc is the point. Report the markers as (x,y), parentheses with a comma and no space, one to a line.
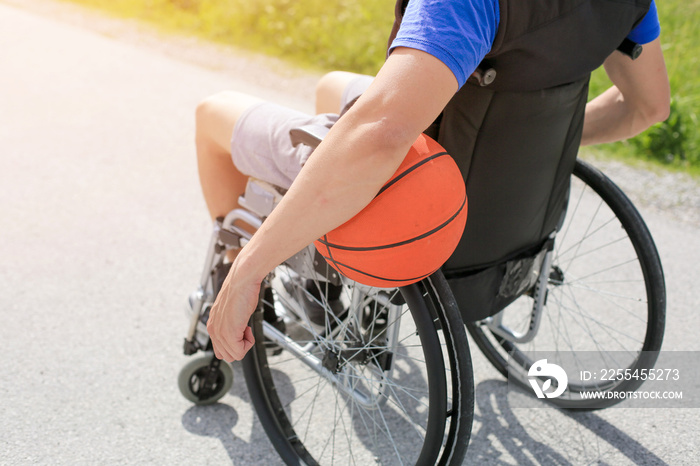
(327,422)
(197,380)
(193,375)
(605,300)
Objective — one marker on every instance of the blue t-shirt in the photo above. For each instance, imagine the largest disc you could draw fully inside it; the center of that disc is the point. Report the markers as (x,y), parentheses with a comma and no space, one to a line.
(440,28)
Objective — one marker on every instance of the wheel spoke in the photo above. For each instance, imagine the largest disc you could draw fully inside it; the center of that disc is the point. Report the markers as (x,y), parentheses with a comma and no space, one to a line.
(357,388)
(606,296)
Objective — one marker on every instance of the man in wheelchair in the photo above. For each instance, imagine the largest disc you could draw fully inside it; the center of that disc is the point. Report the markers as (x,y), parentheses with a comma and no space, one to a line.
(501,85)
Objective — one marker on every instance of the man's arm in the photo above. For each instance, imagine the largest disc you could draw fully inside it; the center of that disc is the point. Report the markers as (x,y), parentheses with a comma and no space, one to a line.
(640,96)
(343,175)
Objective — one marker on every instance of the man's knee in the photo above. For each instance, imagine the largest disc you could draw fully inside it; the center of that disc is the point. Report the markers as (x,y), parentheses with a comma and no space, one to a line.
(216,115)
(215,107)
(329,91)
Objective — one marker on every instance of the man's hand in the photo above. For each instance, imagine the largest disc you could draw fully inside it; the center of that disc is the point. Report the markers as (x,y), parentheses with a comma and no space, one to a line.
(228,318)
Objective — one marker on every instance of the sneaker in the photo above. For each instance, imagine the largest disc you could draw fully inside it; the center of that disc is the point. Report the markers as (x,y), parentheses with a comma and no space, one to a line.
(270,316)
(193,300)
(309,297)
(219,275)
(317,312)
(272,348)
(196,301)
(374,322)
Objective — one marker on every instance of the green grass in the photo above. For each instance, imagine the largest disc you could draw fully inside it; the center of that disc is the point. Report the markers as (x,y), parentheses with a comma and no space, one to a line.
(674,143)
(351,35)
(317,34)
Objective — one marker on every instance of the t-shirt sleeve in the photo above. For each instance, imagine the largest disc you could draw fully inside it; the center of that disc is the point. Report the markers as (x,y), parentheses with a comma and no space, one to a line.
(458,33)
(648,29)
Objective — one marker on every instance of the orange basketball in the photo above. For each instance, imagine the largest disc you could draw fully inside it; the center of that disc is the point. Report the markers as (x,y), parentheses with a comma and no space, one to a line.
(409,229)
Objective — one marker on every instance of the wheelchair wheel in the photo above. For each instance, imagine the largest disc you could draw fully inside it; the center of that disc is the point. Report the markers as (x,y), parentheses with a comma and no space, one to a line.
(376,377)
(204,381)
(604,306)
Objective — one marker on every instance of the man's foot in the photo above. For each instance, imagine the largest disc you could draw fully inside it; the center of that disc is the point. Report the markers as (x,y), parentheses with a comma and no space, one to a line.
(322,305)
(272,348)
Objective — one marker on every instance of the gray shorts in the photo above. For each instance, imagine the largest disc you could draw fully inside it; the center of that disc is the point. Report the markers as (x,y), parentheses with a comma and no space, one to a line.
(260,144)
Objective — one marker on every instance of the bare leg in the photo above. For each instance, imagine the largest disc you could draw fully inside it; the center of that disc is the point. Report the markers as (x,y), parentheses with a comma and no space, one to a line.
(221,181)
(329,91)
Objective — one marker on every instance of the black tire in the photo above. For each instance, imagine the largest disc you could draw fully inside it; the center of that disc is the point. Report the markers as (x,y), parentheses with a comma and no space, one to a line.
(418,392)
(192,378)
(605,305)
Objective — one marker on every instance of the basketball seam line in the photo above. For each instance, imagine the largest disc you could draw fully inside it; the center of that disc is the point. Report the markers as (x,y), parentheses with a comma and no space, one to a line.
(340,264)
(330,254)
(406,172)
(400,243)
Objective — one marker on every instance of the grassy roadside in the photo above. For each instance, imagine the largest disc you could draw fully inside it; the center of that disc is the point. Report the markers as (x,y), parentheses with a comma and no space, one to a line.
(315,34)
(675,143)
(351,35)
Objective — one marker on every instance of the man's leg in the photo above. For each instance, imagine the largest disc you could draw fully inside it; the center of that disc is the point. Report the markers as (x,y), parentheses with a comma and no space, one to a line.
(216,117)
(221,181)
(330,89)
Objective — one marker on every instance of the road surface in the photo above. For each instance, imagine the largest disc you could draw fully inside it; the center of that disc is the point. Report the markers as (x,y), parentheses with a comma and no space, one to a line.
(103,235)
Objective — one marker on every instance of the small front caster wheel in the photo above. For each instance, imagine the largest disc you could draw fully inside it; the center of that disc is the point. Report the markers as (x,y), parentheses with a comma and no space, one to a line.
(205,380)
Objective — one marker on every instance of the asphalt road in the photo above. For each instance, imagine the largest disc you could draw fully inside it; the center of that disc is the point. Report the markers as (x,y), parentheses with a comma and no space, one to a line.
(103,235)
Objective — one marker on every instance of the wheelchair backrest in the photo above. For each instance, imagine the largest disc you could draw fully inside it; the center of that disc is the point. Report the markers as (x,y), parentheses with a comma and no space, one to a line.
(516,151)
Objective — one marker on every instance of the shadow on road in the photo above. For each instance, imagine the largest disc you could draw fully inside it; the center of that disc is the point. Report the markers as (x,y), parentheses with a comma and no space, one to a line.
(215,421)
(548,435)
(502,434)
(218,421)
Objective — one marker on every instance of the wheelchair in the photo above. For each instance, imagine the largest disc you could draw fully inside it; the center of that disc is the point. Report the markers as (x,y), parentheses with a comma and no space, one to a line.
(345,372)
(595,300)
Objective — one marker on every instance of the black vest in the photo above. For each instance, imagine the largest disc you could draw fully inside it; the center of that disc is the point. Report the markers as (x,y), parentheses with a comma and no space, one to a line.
(516,139)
